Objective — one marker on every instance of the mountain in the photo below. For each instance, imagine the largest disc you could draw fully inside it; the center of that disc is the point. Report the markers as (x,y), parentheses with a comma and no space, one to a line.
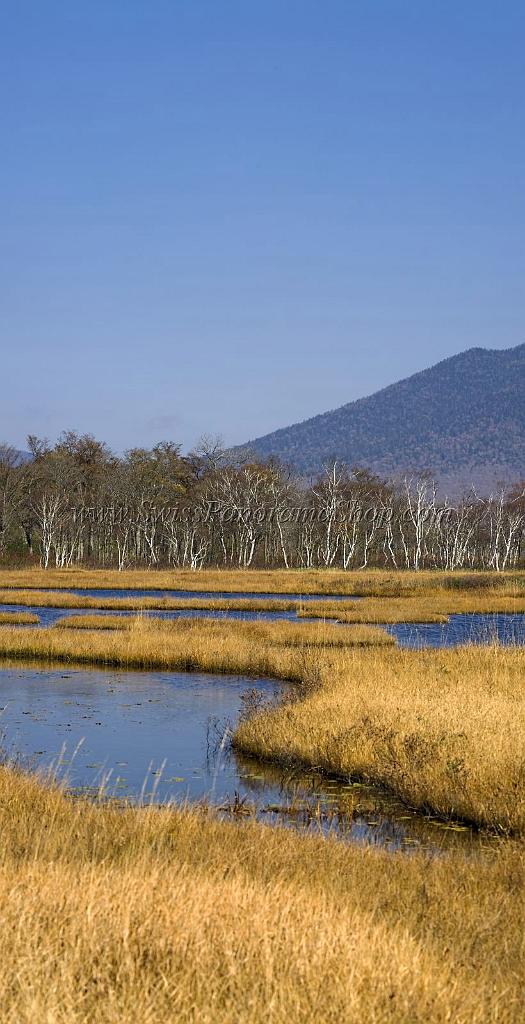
(13,456)
(463,419)
(24,457)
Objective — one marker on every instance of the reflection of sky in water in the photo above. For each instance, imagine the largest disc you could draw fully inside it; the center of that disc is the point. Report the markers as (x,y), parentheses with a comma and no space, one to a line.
(128,724)
(159,733)
(461,629)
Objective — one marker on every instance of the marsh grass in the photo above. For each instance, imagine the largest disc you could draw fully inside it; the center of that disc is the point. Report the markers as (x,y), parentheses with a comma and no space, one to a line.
(371,582)
(112,914)
(18,619)
(429,603)
(156,915)
(432,605)
(58,599)
(442,729)
(230,634)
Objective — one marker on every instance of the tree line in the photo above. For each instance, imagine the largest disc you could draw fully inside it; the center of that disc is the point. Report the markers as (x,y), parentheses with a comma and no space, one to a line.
(77,503)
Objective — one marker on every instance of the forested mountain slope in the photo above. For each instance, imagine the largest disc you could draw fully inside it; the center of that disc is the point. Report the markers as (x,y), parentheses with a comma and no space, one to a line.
(464,419)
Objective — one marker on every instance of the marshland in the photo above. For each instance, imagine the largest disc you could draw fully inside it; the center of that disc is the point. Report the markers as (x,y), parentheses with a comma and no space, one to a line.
(203,816)
(262,692)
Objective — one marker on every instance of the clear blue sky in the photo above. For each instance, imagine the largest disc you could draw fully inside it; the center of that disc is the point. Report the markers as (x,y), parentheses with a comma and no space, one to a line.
(228,216)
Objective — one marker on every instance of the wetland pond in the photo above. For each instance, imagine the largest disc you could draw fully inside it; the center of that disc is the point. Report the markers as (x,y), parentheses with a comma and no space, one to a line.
(164,736)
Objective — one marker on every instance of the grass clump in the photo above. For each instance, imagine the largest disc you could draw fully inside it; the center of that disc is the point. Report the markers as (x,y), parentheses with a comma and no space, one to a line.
(430,606)
(18,619)
(443,729)
(147,642)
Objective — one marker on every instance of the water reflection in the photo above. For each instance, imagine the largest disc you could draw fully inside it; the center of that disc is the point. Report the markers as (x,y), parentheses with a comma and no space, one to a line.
(164,736)
(468,628)
(354,811)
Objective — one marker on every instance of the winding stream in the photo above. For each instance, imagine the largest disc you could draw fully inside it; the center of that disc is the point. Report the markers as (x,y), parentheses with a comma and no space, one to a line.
(163,736)
(472,627)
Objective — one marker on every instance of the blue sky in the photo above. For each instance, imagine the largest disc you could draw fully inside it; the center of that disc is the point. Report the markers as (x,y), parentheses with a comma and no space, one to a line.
(229,216)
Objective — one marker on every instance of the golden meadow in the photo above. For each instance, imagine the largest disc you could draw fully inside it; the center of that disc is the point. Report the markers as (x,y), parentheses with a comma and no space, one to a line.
(151,914)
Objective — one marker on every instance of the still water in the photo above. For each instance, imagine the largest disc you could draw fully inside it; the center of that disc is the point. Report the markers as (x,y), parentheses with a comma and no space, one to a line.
(471,628)
(48,616)
(164,736)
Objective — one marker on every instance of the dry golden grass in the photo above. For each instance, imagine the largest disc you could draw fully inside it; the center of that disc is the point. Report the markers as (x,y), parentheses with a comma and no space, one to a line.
(94,622)
(112,915)
(373,609)
(403,583)
(372,582)
(443,729)
(208,645)
(407,597)
(56,599)
(18,618)
(237,580)
(157,643)
(155,916)
(433,605)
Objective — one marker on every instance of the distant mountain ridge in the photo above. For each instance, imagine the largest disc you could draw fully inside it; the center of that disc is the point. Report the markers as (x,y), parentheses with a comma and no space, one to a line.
(18,457)
(24,457)
(463,419)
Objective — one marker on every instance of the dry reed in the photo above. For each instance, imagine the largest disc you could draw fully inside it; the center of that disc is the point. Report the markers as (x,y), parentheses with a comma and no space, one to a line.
(155,916)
